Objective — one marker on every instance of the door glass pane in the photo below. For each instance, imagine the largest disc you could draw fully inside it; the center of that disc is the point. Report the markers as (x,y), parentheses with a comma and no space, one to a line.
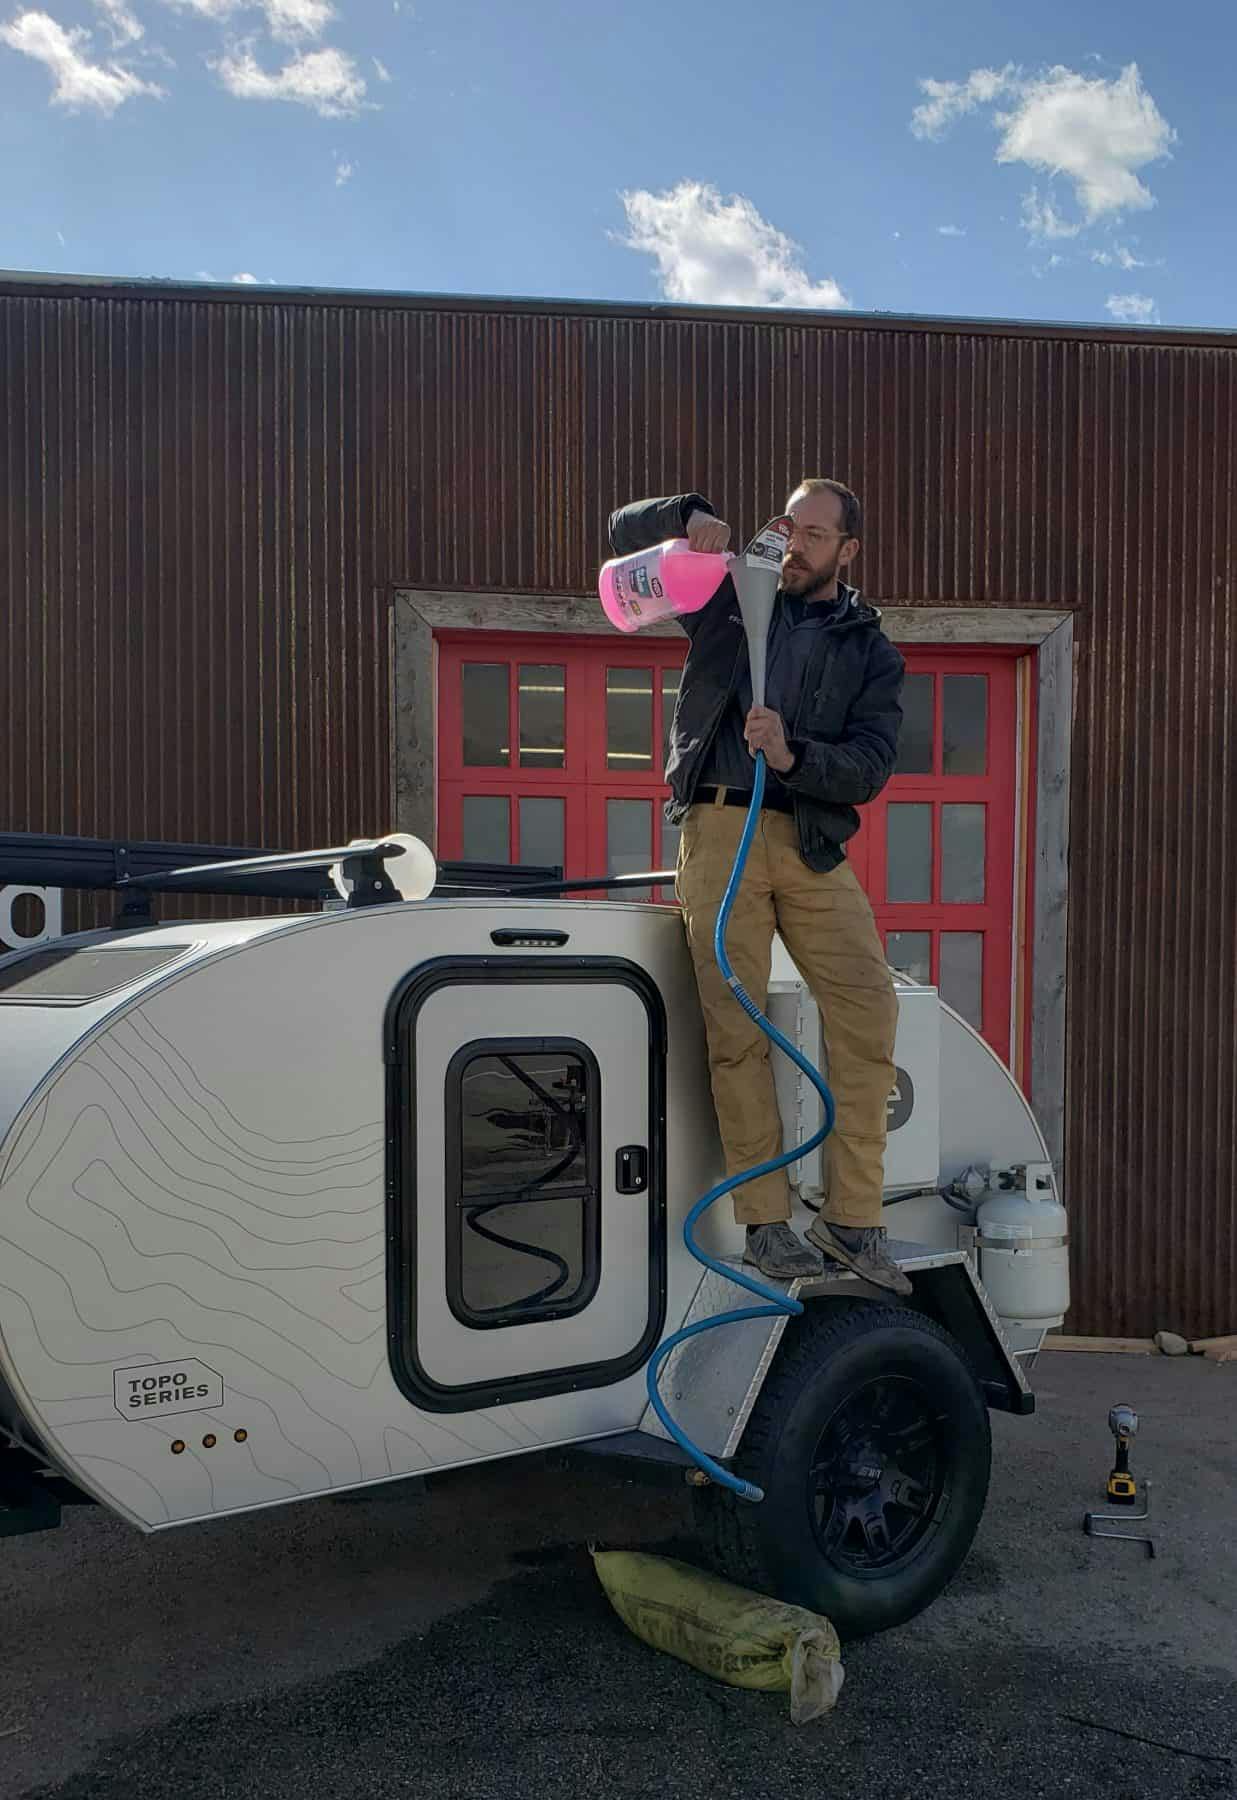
(523,1195)
(523,1124)
(487,828)
(629,840)
(962,854)
(910,953)
(909,849)
(669,694)
(962,974)
(543,714)
(520,1262)
(542,831)
(916,738)
(487,706)
(964,708)
(629,720)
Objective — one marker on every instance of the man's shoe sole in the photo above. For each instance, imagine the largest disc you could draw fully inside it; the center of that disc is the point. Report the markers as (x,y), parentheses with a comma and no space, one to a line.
(895,1282)
(782,1274)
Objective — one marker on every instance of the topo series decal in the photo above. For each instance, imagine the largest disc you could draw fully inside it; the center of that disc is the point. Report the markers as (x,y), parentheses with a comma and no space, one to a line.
(144,1390)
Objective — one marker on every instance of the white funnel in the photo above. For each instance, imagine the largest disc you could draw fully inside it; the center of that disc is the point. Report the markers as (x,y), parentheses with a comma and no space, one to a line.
(756,575)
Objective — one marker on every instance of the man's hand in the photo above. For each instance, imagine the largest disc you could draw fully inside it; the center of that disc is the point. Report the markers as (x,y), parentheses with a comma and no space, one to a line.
(704,532)
(764,731)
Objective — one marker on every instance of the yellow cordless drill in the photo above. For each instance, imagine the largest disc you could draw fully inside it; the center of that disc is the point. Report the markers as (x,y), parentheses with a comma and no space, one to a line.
(1122,1488)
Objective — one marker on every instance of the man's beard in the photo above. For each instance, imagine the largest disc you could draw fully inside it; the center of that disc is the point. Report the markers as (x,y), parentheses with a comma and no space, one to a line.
(816,582)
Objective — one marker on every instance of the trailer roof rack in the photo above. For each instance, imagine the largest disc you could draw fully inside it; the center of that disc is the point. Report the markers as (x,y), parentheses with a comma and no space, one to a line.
(136,870)
(362,863)
(589,884)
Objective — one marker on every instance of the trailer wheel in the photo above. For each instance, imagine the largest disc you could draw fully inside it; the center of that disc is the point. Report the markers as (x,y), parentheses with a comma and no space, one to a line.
(871,1441)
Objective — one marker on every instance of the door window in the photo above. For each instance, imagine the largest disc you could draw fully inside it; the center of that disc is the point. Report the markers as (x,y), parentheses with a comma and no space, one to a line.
(554,757)
(936,851)
(523,1199)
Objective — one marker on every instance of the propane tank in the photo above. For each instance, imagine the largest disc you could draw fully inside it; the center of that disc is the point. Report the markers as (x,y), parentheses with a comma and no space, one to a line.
(656,584)
(1023,1245)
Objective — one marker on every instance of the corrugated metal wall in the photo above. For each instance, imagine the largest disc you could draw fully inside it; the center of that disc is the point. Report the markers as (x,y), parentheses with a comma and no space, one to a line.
(191,514)
(205,500)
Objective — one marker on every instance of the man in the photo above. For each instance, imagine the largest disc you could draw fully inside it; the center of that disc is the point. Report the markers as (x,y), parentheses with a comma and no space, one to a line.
(829,734)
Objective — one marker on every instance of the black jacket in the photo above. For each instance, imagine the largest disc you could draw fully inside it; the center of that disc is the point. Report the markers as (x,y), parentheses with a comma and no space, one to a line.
(845,735)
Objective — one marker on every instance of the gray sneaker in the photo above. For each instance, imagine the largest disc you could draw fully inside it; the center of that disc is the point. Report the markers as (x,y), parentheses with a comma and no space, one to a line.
(777,1252)
(862,1251)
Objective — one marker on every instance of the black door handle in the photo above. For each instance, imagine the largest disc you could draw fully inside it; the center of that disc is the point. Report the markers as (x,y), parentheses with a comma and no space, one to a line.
(631,1175)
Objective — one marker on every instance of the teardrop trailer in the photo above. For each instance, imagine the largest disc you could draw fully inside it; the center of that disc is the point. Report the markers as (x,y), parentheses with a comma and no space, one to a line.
(296,1206)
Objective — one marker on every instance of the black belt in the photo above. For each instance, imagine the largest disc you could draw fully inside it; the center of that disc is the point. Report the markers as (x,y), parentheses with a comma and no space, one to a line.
(773,801)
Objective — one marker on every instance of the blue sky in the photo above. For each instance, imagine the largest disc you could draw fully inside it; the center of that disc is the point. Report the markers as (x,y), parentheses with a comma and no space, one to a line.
(1061,162)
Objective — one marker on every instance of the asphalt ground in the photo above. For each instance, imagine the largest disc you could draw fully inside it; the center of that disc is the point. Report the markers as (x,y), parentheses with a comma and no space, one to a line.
(458,1643)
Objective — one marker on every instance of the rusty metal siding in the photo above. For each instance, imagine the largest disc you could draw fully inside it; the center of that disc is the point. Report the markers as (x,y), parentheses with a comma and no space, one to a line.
(1153,902)
(191,516)
(205,500)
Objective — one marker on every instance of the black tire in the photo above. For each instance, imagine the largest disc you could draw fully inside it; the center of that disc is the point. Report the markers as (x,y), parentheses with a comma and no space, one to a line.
(871,1441)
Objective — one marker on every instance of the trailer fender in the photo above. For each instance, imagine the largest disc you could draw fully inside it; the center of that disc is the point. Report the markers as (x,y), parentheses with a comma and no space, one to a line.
(713,1380)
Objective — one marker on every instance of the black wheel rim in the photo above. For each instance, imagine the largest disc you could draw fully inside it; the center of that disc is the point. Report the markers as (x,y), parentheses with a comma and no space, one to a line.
(878,1484)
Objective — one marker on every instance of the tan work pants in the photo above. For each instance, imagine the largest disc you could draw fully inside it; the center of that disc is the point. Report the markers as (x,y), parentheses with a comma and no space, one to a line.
(827,925)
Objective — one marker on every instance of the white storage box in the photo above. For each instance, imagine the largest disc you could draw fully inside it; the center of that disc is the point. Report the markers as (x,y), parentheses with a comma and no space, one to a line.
(912,1156)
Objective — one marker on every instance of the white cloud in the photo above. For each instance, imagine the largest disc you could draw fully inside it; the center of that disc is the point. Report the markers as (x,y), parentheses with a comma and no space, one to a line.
(1133,309)
(951,230)
(287,20)
(326,80)
(244,279)
(1121,258)
(948,100)
(720,252)
(344,171)
(1096,133)
(381,70)
(124,26)
(294,19)
(76,81)
(1042,219)
(207,9)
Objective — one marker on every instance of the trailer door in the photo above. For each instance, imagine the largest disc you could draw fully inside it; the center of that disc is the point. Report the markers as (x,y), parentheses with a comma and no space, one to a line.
(528,1237)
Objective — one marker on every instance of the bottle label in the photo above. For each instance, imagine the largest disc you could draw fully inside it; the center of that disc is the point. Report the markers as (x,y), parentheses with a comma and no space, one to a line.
(769,545)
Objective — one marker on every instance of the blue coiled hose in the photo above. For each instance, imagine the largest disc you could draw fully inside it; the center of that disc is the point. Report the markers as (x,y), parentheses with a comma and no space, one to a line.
(778,1303)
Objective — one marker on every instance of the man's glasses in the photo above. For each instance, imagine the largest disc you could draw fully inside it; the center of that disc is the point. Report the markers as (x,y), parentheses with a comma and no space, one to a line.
(816,534)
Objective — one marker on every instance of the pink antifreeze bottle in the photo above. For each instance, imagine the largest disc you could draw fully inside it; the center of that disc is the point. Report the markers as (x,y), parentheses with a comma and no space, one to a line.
(655,584)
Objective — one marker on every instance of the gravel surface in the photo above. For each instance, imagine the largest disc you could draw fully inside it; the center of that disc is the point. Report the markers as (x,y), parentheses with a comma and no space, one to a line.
(459,1644)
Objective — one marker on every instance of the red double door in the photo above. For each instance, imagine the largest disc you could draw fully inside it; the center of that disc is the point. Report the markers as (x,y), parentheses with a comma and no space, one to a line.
(551,751)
